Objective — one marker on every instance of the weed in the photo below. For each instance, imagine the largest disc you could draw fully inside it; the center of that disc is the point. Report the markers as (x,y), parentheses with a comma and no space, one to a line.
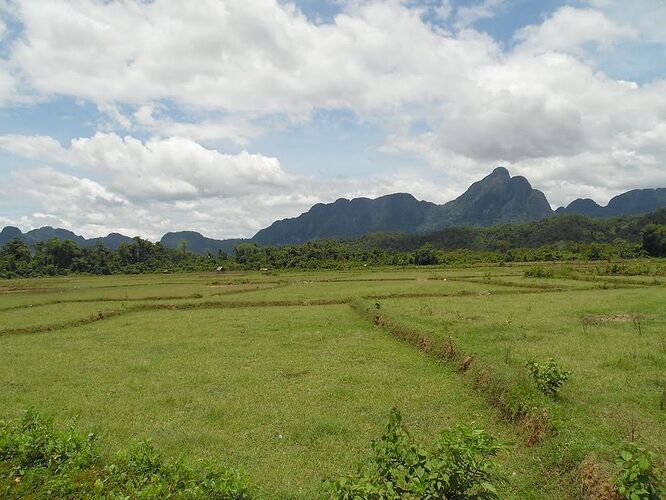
(40,461)
(634,428)
(640,478)
(460,467)
(548,377)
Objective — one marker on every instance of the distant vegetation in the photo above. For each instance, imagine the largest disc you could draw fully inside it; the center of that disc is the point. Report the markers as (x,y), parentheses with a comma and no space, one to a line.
(561,238)
(58,257)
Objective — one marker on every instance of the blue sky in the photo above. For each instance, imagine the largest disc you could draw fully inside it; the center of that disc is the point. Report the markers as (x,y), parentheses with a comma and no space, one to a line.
(222,115)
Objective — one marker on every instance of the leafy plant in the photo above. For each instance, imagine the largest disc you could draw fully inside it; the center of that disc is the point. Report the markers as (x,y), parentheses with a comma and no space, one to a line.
(548,377)
(460,467)
(39,461)
(640,478)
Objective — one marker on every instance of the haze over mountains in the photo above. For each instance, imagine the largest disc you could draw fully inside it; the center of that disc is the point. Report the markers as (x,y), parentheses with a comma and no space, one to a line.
(497,198)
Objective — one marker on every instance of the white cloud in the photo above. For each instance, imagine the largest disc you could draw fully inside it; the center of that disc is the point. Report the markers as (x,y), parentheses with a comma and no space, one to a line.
(542,107)
(636,160)
(647,17)
(569,29)
(237,129)
(167,169)
(117,118)
(47,181)
(444,10)
(467,16)
(34,147)
(8,83)
(259,56)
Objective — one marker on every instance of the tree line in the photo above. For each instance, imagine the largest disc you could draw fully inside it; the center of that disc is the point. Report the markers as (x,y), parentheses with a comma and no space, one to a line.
(568,238)
(60,257)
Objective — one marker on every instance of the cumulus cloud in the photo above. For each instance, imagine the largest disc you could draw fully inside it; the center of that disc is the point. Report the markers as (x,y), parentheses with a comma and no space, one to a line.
(543,106)
(168,185)
(645,16)
(468,15)
(36,147)
(570,29)
(170,169)
(259,56)
(237,129)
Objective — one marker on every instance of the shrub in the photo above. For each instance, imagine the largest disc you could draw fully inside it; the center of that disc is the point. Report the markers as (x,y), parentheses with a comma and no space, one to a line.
(548,377)
(460,467)
(539,272)
(39,461)
(640,478)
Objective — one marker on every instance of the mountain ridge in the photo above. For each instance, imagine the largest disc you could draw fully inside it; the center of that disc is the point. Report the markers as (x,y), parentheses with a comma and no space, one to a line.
(633,202)
(497,198)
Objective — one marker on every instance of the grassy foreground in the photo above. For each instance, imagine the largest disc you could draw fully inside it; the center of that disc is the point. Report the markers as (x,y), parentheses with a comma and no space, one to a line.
(279,376)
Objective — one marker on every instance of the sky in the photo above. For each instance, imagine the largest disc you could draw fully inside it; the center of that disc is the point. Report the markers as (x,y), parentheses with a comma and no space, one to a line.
(221,116)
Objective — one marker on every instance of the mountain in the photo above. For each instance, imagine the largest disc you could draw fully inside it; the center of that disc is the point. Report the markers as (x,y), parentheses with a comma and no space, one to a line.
(582,206)
(112,241)
(348,218)
(47,232)
(197,243)
(9,233)
(637,201)
(497,197)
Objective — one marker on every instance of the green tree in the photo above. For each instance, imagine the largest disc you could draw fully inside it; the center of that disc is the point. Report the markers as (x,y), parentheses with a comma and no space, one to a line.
(654,239)
(426,256)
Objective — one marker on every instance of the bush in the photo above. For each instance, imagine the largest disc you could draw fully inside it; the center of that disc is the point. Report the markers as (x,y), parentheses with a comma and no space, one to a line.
(548,377)
(640,478)
(460,467)
(539,272)
(40,461)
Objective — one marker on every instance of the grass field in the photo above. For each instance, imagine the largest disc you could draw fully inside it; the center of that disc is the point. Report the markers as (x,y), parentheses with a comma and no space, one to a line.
(289,376)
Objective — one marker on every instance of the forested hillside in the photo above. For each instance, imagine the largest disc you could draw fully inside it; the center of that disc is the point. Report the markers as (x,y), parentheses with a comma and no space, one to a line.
(558,238)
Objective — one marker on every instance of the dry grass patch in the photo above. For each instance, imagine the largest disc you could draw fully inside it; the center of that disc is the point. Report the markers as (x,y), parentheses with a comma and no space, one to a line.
(596,483)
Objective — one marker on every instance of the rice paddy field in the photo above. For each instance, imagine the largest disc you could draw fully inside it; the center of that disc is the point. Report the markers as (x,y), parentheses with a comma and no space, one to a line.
(289,376)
